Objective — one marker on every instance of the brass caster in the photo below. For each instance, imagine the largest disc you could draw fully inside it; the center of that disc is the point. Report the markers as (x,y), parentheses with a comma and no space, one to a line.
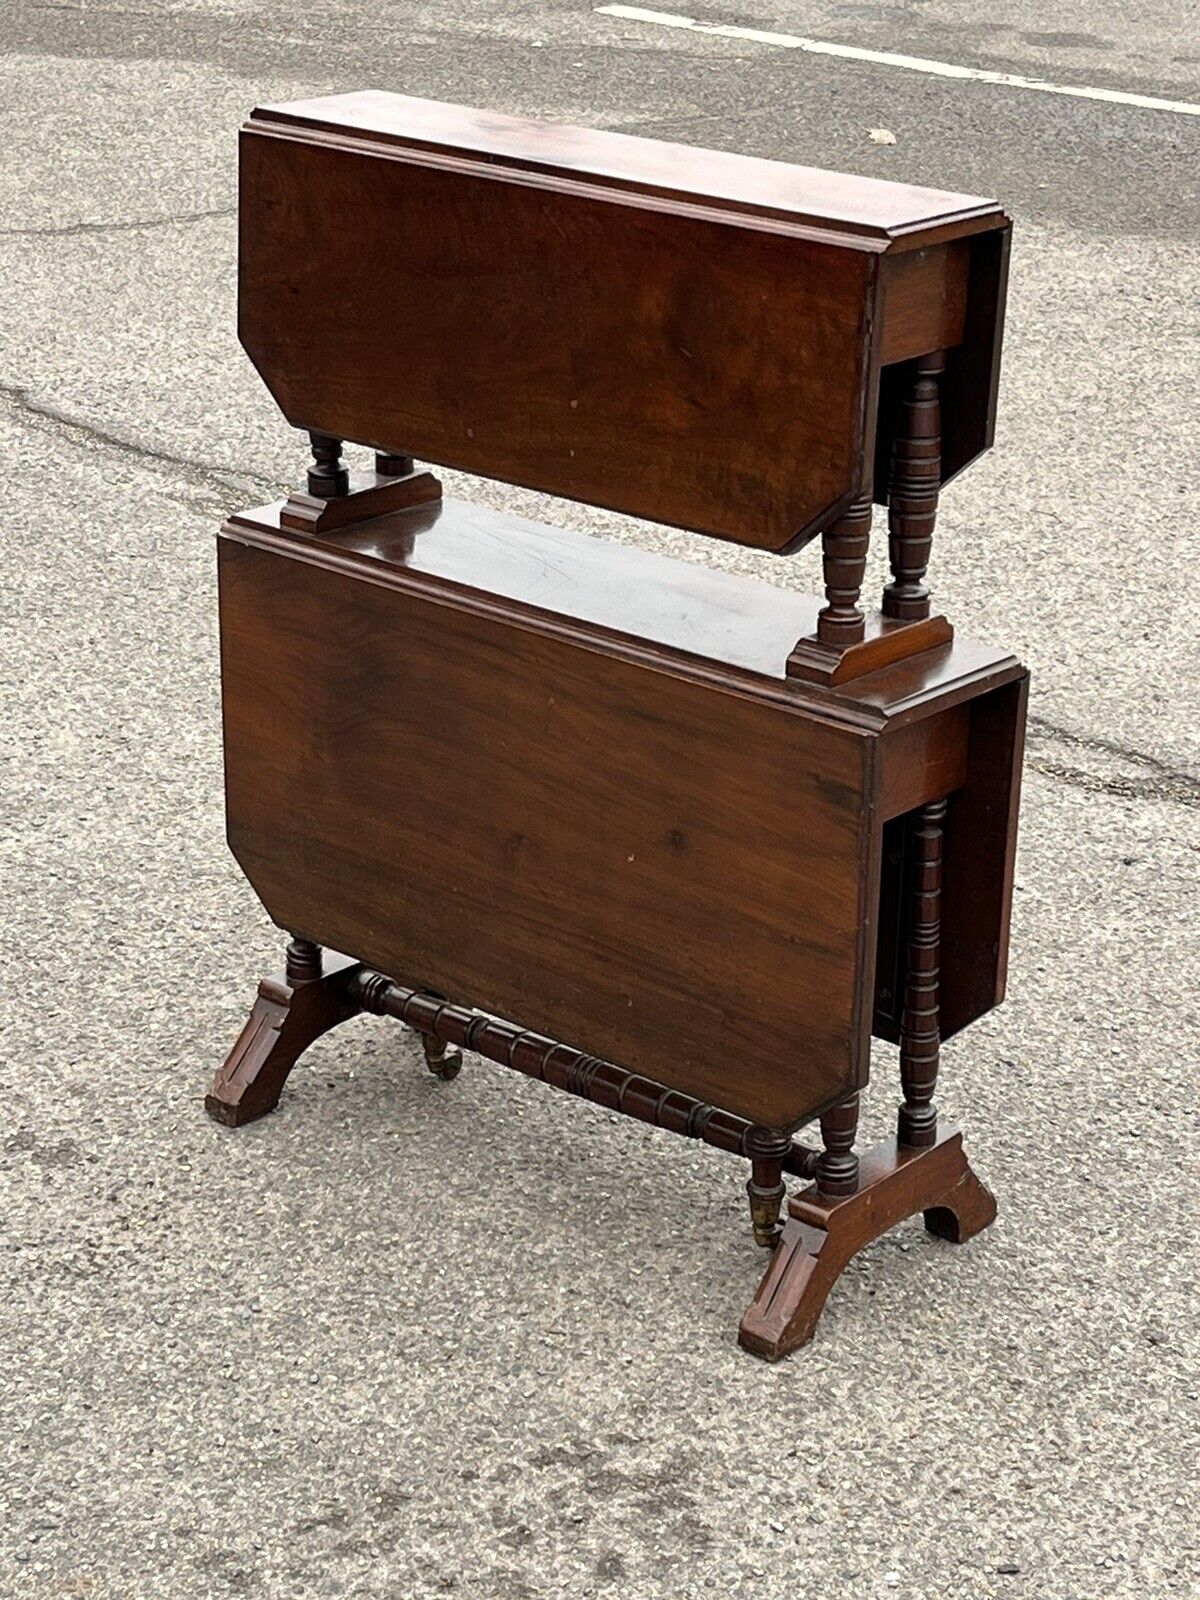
(443,1062)
(765,1206)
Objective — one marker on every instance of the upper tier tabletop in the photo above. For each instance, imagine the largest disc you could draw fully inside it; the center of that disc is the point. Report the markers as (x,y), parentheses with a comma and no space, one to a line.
(880,214)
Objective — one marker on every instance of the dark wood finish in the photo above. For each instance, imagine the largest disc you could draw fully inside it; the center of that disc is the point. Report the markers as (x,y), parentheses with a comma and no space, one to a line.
(440,1023)
(913,492)
(323,988)
(844,560)
(823,1234)
(678,334)
(444,789)
(884,642)
(695,822)
(768,1149)
(304,960)
(926,756)
(979,856)
(365,495)
(972,378)
(842,649)
(920,1036)
(287,1016)
(837,1170)
(868,208)
(337,792)
(924,301)
(327,477)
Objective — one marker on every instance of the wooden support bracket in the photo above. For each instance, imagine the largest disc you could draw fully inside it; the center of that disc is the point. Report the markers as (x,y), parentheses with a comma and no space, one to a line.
(824,1229)
(287,1016)
(823,1233)
(371,494)
(884,641)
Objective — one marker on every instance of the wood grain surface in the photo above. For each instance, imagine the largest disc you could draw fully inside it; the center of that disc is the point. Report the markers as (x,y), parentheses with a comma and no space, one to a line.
(663,856)
(600,849)
(687,336)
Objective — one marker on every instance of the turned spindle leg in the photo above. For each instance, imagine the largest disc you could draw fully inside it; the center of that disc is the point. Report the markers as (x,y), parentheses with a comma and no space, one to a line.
(303,961)
(767,1148)
(837,1170)
(916,473)
(920,1035)
(390,464)
(844,556)
(327,477)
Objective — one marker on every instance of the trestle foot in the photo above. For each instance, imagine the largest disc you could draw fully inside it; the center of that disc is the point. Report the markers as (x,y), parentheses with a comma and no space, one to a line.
(823,1233)
(287,1016)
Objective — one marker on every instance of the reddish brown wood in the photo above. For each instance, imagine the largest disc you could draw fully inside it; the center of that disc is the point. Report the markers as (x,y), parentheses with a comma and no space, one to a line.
(366,495)
(822,1234)
(768,1149)
(927,757)
(684,335)
(439,1022)
(925,294)
(846,646)
(837,1170)
(287,1016)
(913,492)
(353,810)
(920,1037)
(883,644)
(844,558)
(633,803)
(874,209)
(613,841)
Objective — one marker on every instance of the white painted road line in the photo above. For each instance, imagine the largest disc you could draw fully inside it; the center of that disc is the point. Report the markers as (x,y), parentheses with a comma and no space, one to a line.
(885,58)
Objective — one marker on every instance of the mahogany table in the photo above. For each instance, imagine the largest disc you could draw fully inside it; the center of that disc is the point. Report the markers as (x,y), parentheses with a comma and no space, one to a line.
(676,841)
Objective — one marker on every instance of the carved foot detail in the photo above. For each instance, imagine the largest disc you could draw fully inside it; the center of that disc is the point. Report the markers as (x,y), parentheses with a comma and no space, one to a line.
(966,1211)
(285,1020)
(822,1234)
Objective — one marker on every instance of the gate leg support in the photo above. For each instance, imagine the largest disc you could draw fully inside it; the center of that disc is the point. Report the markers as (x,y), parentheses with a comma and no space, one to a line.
(823,1232)
(289,1013)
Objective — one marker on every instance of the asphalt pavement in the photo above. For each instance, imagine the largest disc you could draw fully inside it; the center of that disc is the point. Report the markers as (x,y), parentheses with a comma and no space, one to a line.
(413,1339)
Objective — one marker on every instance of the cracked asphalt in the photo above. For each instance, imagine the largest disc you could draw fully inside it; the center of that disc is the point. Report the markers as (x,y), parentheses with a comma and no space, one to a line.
(412,1339)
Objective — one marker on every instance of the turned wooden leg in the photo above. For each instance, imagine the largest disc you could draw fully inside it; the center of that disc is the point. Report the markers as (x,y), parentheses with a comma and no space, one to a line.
(289,1013)
(916,475)
(844,557)
(391,464)
(824,1232)
(767,1149)
(303,961)
(920,1028)
(327,477)
(837,1170)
